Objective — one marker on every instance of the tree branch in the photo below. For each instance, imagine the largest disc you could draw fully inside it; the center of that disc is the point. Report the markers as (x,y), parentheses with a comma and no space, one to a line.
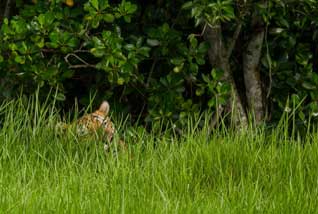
(7,9)
(218,59)
(84,65)
(81,66)
(151,71)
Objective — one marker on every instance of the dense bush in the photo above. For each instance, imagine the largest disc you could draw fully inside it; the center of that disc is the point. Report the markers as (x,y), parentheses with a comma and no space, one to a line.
(162,59)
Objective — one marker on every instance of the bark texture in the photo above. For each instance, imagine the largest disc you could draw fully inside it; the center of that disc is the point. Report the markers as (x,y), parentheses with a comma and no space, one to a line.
(7,9)
(219,57)
(251,61)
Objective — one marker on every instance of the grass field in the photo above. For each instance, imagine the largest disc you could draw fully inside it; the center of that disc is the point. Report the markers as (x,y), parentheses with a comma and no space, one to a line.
(42,171)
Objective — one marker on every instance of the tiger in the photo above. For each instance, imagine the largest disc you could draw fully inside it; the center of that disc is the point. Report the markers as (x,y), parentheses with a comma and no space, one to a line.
(99,119)
(98,123)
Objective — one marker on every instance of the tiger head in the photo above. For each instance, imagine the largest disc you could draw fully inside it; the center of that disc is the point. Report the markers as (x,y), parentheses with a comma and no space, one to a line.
(97,122)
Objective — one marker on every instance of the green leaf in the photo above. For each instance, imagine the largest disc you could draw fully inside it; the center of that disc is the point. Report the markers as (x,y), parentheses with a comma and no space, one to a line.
(153,42)
(164,51)
(205,78)
(129,47)
(187,5)
(203,47)
(222,100)
(103,4)
(308,86)
(67,74)
(19,59)
(177,69)
(224,88)
(54,37)
(177,61)
(49,73)
(180,89)
(200,61)
(199,92)
(229,12)
(144,51)
(98,52)
(60,96)
(64,37)
(193,41)
(95,23)
(127,19)
(302,116)
(276,30)
(132,8)
(46,19)
(40,43)
(212,102)
(1,58)
(120,81)
(19,26)
(23,48)
(73,42)
(165,28)
(216,73)
(109,18)
(95,4)
(13,46)
(193,68)
(41,19)
(65,49)
(118,15)
(127,68)
(97,42)
(127,7)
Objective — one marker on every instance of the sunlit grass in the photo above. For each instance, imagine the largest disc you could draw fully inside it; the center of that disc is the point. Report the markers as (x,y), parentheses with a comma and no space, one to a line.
(226,172)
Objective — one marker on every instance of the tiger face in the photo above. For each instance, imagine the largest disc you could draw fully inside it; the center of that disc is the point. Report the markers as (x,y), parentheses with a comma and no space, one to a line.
(97,122)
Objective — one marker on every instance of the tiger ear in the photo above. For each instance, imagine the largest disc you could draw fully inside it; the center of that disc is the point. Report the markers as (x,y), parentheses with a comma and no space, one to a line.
(104,107)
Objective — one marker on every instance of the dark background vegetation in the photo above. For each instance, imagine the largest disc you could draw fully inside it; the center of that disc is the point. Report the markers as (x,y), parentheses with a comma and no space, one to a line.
(165,59)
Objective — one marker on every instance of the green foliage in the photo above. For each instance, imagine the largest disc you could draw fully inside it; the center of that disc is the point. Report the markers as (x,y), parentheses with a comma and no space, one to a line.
(48,44)
(291,55)
(151,58)
(44,48)
(167,100)
(211,11)
(218,90)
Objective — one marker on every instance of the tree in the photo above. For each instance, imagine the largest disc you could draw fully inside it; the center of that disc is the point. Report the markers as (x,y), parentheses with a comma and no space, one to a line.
(247,59)
(251,23)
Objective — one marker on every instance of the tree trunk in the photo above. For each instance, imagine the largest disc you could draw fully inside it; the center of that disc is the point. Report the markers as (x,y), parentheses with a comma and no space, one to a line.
(219,58)
(7,9)
(251,60)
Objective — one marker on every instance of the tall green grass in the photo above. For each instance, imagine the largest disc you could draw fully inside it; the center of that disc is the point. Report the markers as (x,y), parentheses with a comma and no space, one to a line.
(246,171)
